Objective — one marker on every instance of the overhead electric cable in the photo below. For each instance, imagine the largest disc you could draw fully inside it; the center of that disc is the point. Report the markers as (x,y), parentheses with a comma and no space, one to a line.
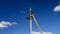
(37,24)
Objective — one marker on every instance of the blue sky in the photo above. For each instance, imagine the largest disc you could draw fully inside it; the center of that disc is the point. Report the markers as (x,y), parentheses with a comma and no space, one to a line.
(17,10)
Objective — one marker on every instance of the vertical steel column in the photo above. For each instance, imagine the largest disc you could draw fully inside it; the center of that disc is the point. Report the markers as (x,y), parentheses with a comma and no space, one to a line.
(30,21)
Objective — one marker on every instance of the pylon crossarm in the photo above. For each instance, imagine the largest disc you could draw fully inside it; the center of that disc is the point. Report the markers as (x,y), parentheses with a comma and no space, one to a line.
(37,24)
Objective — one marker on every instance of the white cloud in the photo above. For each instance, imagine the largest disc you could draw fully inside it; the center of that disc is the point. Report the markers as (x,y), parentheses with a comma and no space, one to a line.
(57,8)
(5,24)
(40,32)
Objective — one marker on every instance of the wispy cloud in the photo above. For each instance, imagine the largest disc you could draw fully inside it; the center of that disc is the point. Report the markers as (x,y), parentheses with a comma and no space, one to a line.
(57,8)
(40,32)
(5,24)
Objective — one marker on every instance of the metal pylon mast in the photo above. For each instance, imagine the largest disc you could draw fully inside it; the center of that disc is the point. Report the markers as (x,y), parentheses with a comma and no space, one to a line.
(31,21)
(33,17)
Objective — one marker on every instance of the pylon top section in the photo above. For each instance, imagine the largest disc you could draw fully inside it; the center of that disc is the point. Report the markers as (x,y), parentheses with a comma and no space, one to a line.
(30,9)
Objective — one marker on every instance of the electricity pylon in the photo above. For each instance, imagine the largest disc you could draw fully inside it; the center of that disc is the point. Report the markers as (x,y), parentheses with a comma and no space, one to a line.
(30,17)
